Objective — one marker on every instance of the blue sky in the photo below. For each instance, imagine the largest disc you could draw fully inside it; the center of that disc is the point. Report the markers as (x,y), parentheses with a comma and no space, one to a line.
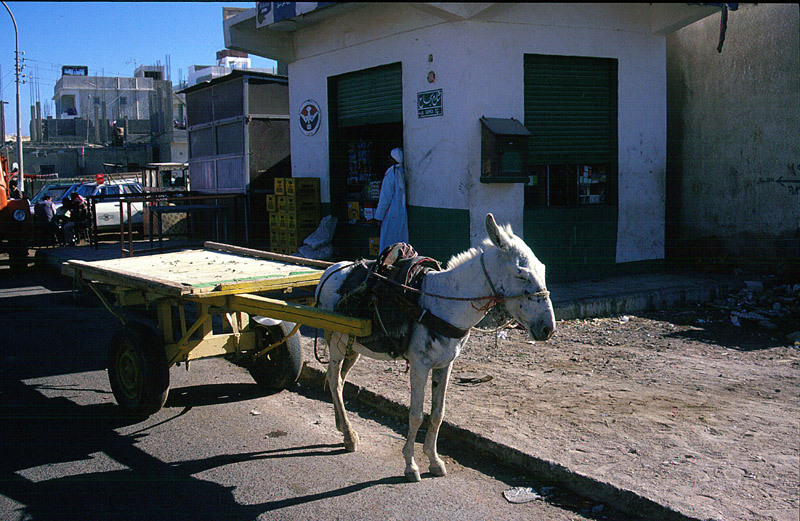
(111,38)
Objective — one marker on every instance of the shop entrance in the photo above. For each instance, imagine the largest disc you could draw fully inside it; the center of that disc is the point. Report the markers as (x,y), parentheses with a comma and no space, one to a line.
(571,204)
(366,123)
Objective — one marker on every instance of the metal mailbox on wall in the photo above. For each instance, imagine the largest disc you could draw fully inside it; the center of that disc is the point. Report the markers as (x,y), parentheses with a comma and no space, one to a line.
(504,151)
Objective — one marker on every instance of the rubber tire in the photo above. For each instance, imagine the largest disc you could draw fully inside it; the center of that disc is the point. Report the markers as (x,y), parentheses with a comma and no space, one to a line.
(18,256)
(138,370)
(281,367)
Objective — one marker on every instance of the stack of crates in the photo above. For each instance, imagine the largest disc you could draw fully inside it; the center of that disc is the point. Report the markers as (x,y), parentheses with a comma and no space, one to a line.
(294,212)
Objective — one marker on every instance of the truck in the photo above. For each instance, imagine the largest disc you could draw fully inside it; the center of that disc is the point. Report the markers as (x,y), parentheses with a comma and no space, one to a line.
(16,221)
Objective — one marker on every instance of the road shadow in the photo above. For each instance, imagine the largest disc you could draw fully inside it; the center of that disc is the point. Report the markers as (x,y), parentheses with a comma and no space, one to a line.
(395,417)
(213,394)
(65,437)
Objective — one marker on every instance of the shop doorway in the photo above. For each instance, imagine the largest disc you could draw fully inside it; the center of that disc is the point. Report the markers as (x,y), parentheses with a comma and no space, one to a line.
(366,123)
(571,199)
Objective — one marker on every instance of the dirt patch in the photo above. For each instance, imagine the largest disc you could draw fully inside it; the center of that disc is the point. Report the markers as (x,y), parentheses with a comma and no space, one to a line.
(682,407)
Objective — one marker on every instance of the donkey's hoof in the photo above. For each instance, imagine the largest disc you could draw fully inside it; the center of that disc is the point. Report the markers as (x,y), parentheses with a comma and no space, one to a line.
(351,445)
(438,469)
(413,476)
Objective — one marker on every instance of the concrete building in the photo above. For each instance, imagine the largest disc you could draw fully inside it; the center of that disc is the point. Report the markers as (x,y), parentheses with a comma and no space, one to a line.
(134,118)
(76,160)
(733,189)
(141,105)
(227,61)
(587,81)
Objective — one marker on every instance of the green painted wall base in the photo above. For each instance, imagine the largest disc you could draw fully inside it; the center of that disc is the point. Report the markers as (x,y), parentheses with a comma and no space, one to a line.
(439,233)
(574,243)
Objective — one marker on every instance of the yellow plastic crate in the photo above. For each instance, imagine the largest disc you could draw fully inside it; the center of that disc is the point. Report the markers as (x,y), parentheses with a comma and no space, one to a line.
(302,186)
(302,204)
(301,220)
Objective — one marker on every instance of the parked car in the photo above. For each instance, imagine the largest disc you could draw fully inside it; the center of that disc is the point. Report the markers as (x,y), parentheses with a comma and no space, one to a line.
(56,192)
(107,208)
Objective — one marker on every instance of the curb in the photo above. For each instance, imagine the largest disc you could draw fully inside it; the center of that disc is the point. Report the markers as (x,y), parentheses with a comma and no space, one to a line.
(635,301)
(620,499)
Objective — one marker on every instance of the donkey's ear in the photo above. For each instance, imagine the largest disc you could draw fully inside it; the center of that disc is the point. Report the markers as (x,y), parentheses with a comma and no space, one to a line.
(496,234)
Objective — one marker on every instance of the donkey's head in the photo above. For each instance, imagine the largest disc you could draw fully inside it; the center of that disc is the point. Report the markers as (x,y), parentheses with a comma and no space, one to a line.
(518,275)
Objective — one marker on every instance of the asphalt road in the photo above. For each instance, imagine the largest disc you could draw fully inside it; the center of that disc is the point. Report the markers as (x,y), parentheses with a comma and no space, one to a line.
(219,450)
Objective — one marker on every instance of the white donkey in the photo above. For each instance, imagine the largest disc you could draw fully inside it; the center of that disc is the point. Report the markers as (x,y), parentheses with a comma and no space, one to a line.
(504,270)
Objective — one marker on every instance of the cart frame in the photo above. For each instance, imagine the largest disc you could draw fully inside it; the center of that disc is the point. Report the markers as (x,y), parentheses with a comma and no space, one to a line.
(285,298)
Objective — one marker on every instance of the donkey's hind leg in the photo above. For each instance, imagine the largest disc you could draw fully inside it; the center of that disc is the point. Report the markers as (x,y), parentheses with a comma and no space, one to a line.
(439,379)
(350,360)
(340,362)
(419,377)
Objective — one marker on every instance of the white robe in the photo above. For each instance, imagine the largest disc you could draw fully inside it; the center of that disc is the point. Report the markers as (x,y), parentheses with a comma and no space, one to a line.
(391,210)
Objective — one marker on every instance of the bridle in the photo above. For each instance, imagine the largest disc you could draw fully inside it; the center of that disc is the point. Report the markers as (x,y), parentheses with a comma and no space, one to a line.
(496,298)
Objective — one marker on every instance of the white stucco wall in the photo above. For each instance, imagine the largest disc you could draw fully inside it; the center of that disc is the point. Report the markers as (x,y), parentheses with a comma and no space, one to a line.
(479,66)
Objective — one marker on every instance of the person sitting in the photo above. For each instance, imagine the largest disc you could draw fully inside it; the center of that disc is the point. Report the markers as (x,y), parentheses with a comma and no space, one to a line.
(43,214)
(13,191)
(78,218)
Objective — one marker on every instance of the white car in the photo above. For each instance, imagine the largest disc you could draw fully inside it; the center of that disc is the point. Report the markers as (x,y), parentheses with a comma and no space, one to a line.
(107,208)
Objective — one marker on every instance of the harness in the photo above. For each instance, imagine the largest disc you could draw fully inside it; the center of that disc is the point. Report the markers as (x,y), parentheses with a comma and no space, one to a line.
(388,292)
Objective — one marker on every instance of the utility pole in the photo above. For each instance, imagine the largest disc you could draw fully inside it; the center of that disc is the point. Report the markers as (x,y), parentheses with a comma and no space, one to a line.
(17,70)
(3,124)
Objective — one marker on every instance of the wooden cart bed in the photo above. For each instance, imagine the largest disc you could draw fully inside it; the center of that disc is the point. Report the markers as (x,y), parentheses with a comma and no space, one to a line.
(203,272)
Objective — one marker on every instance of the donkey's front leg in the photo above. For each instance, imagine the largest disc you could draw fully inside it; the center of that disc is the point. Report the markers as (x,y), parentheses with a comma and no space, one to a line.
(439,379)
(339,357)
(419,378)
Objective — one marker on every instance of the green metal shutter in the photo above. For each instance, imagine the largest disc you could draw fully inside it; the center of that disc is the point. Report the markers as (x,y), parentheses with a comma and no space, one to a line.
(369,96)
(571,109)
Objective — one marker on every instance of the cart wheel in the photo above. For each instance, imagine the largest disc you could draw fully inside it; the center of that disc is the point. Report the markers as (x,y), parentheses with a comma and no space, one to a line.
(138,370)
(280,367)
(18,256)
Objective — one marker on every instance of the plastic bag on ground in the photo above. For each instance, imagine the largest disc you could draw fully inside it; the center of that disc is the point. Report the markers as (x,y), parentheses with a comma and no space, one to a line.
(323,235)
(322,253)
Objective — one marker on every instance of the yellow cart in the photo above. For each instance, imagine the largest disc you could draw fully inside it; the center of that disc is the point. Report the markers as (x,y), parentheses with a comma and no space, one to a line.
(219,300)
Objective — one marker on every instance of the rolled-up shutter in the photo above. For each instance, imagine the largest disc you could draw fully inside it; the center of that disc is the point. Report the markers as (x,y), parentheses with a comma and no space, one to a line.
(571,109)
(368,96)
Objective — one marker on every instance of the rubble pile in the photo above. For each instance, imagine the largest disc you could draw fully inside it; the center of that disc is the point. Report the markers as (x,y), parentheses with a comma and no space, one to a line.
(774,309)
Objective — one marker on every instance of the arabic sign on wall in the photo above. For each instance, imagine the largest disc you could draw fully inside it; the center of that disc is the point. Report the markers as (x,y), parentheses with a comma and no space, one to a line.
(310,117)
(272,12)
(429,103)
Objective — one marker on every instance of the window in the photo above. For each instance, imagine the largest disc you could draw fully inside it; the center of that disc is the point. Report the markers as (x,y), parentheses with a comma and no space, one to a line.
(68,105)
(132,189)
(123,100)
(112,191)
(571,112)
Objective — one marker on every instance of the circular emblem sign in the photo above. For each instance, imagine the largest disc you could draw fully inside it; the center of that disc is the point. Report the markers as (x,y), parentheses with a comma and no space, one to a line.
(310,117)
